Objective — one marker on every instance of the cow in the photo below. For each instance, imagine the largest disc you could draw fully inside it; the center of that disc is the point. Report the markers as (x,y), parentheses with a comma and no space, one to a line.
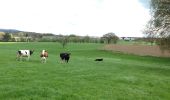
(65,56)
(44,56)
(24,53)
(98,59)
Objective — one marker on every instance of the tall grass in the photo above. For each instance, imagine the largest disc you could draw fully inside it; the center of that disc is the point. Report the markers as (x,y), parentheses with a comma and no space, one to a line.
(118,77)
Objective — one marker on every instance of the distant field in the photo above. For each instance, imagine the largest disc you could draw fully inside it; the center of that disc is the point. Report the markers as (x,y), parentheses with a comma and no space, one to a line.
(123,42)
(118,77)
(138,49)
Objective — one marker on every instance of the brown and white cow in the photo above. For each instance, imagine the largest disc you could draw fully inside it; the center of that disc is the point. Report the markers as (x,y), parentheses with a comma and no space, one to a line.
(44,56)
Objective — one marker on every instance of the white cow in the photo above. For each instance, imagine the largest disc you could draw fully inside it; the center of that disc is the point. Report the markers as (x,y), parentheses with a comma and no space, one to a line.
(24,53)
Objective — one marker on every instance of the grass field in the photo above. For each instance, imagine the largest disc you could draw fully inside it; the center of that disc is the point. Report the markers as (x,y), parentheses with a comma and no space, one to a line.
(118,77)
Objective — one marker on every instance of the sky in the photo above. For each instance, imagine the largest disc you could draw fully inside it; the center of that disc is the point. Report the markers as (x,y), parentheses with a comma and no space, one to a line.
(145,3)
(79,17)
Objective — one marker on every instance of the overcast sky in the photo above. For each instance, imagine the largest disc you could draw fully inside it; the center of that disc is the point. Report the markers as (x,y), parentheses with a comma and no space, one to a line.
(81,17)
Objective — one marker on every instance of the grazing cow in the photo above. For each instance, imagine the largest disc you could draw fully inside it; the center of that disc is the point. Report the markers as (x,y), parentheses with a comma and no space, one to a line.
(44,56)
(99,59)
(24,53)
(65,56)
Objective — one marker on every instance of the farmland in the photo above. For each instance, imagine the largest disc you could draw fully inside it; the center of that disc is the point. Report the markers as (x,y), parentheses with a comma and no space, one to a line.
(119,77)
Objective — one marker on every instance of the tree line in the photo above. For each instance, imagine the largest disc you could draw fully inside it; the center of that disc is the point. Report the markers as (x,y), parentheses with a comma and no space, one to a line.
(48,37)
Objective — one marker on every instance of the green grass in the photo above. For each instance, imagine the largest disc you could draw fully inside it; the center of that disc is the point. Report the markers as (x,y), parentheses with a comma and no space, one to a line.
(118,77)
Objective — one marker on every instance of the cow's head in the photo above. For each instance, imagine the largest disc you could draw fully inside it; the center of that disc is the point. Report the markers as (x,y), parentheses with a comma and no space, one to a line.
(31,52)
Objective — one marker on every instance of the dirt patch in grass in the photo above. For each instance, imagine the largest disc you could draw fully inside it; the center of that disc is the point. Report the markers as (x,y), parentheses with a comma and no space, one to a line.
(142,50)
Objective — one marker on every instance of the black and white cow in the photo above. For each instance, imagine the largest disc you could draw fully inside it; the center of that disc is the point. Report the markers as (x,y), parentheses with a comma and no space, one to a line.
(24,53)
(65,56)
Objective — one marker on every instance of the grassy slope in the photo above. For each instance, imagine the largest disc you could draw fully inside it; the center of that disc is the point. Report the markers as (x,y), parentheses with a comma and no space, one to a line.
(118,77)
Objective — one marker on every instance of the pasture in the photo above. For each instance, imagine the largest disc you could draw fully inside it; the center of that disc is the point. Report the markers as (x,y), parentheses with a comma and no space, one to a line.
(118,77)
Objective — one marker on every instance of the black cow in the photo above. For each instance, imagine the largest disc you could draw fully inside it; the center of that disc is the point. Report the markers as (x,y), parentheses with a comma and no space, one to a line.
(65,56)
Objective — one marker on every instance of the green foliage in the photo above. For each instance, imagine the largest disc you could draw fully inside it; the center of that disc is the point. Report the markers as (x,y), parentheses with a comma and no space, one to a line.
(137,78)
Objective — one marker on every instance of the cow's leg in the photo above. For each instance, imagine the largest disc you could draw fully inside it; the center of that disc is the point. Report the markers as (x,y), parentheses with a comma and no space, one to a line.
(41,59)
(67,59)
(62,59)
(45,60)
(20,58)
(17,57)
(28,58)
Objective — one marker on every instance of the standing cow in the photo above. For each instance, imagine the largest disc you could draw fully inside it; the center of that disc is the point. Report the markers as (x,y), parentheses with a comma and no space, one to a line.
(24,53)
(65,56)
(44,56)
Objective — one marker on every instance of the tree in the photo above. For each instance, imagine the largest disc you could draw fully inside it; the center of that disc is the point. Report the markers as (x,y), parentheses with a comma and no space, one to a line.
(109,37)
(64,41)
(160,11)
(74,38)
(86,39)
(2,35)
(7,37)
